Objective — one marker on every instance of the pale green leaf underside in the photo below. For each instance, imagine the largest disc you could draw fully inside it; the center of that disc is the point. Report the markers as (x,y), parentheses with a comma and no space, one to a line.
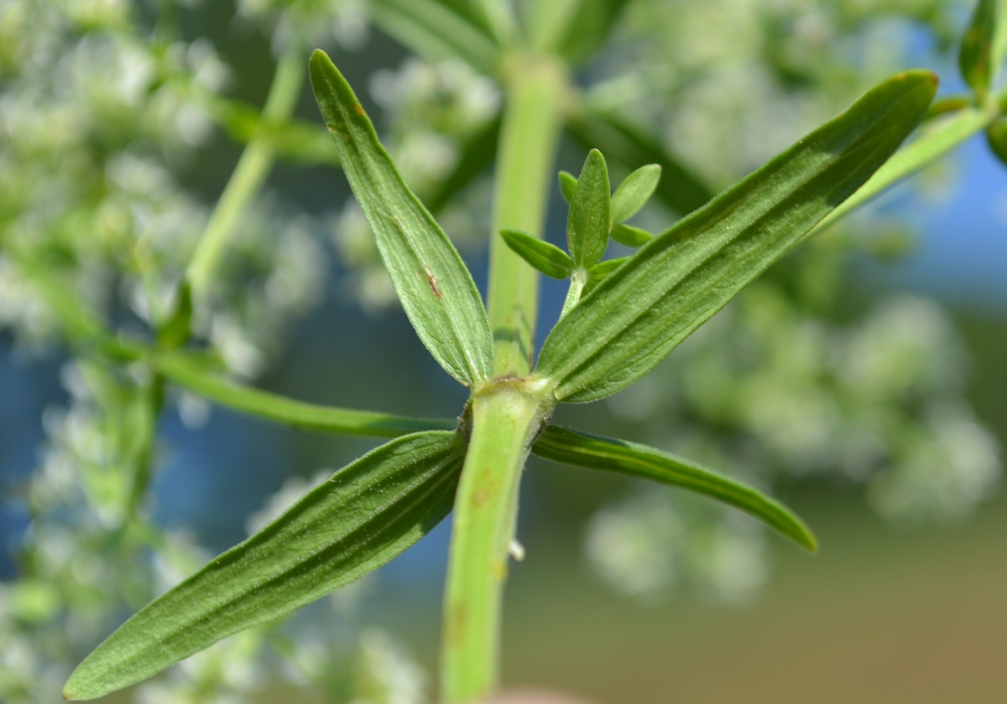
(677,281)
(572,447)
(365,515)
(435,287)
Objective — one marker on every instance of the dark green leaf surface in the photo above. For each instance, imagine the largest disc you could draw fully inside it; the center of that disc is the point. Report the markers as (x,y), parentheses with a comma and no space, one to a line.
(628,145)
(634,192)
(365,515)
(436,290)
(974,57)
(676,282)
(572,447)
(996,135)
(547,258)
(629,235)
(588,223)
(567,185)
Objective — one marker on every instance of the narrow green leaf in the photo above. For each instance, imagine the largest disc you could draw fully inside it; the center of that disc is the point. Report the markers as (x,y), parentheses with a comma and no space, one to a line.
(436,290)
(628,145)
(974,57)
(477,153)
(677,281)
(934,141)
(572,447)
(567,185)
(309,416)
(588,223)
(547,258)
(366,514)
(996,135)
(175,332)
(629,235)
(437,30)
(597,273)
(634,192)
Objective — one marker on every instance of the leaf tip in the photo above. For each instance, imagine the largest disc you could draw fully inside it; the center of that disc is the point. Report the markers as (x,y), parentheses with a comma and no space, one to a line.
(809,542)
(921,76)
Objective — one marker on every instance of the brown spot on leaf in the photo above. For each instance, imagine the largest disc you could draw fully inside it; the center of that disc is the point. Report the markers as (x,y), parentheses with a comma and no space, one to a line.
(432,280)
(359,109)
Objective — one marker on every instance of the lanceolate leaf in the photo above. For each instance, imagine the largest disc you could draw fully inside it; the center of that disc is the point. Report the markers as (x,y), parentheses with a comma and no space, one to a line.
(597,273)
(547,258)
(996,135)
(644,309)
(974,57)
(588,223)
(365,515)
(572,447)
(567,185)
(436,290)
(633,193)
(308,416)
(629,235)
(629,146)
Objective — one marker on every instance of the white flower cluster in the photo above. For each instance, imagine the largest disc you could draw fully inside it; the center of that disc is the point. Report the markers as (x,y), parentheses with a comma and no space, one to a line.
(647,544)
(98,115)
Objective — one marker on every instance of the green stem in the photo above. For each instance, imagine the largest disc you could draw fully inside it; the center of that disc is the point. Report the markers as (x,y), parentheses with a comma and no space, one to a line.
(249,175)
(505,421)
(578,279)
(508,411)
(527,147)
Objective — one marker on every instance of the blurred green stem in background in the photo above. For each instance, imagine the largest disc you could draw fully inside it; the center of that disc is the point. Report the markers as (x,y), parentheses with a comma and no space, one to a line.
(249,175)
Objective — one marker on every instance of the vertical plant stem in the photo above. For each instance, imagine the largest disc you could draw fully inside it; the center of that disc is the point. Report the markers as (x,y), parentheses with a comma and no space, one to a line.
(251,171)
(507,412)
(577,282)
(504,424)
(527,149)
